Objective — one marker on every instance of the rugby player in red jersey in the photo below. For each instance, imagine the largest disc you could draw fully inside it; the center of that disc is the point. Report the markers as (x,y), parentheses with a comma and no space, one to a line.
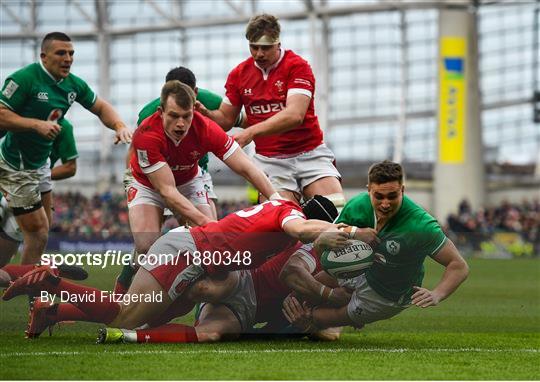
(276,87)
(167,146)
(243,240)
(232,306)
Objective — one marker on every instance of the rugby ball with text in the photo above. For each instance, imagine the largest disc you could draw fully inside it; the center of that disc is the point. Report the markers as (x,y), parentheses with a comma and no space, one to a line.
(349,261)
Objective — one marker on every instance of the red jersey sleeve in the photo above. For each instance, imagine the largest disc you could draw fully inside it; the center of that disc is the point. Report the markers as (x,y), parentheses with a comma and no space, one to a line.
(148,152)
(217,141)
(232,93)
(307,253)
(289,213)
(301,79)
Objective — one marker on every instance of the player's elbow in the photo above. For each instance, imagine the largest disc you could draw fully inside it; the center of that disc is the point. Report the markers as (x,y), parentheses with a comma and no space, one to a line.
(460,267)
(167,193)
(71,168)
(464,269)
(296,118)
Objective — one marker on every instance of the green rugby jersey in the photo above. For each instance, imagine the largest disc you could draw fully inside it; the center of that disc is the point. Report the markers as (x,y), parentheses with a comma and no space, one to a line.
(64,147)
(32,92)
(209,99)
(406,239)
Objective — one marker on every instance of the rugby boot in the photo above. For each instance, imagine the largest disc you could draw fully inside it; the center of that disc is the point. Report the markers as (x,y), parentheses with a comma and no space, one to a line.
(72,272)
(114,335)
(41,317)
(40,278)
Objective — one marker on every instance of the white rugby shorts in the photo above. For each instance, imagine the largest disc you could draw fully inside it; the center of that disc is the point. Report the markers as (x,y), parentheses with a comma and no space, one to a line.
(193,190)
(366,305)
(294,173)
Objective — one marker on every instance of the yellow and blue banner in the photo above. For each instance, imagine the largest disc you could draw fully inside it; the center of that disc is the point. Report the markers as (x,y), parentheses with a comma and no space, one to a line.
(452,99)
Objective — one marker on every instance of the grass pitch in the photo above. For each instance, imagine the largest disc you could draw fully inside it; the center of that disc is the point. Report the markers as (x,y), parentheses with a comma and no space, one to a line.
(489,329)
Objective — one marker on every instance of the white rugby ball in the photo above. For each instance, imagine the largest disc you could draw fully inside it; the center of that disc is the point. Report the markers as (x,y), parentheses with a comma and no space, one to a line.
(349,261)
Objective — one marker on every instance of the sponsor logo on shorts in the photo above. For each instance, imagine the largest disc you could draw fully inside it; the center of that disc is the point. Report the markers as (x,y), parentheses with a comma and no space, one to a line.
(10,89)
(72,96)
(247,92)
(132,192)
(268,108)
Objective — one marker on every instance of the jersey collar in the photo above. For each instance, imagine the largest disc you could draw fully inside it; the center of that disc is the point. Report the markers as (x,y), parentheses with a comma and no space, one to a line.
(49,74)
(174,141)
(266,72)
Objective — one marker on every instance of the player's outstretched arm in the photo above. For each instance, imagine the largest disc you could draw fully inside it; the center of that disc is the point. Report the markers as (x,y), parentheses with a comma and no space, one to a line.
(11,121)
(310,319)
(112,120)
(240,163)
(226,116)
(308,230)
(297,276)
(163,182)
(455,273)
(65,170)
(287,119)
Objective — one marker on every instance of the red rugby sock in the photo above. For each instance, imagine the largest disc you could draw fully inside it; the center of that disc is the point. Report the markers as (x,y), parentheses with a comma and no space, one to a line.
(96,304)
(17,270)
(68,312)
(168,333)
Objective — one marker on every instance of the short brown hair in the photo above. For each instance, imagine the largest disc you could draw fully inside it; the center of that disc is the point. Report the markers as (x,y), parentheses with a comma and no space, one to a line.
(50,37)
(263,24)
(385,172)
(183,95)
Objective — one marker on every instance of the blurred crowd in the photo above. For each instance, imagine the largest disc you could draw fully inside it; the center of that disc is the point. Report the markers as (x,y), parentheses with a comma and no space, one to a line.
(486,225)
(106,216)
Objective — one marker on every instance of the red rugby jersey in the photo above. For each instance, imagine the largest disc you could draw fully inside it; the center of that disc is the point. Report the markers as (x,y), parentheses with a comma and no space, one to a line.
(264,94)
(257,230)
(269,290)
(153,148)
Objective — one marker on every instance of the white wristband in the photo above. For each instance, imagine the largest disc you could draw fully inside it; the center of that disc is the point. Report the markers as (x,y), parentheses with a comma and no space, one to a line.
(353,232)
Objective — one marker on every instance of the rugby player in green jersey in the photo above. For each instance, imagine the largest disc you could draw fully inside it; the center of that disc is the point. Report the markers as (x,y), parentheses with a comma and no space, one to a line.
(64,149)
(32,102)
(402,235)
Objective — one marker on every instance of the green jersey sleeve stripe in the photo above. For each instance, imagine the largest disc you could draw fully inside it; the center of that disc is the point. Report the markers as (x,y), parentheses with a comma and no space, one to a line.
(70,158)
(438,247)
(5,103)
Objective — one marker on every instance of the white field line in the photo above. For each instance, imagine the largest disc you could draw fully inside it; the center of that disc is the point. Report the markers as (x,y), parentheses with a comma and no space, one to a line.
(264,351)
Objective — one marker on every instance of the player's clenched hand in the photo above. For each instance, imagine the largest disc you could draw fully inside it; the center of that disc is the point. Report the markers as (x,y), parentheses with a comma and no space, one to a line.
(299,315)
(367,235)
(123,135)
(424,297)
(332,238)
(47,129)
(339,297)
(201,108)
(244,137)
